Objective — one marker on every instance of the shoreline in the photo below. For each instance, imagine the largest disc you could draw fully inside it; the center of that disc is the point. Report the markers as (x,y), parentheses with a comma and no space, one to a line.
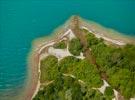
(34,56)
(109,33)
(33,81)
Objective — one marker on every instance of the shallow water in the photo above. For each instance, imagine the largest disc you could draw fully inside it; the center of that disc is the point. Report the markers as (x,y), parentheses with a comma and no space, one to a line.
(21,21)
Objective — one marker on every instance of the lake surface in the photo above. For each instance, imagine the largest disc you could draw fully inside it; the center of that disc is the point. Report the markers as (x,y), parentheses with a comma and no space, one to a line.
(22,21)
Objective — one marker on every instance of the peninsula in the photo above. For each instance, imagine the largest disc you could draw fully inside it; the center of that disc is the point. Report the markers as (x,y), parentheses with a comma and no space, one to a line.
(82,61)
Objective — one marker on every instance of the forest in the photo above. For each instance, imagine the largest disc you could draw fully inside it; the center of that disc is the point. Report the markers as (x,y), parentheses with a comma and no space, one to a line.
(74,79)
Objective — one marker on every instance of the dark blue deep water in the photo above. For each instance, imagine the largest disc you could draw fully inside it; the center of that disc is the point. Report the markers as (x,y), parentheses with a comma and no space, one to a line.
(21,21)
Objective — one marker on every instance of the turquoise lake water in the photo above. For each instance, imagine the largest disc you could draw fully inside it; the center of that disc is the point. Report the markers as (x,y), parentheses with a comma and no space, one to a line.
(22,21)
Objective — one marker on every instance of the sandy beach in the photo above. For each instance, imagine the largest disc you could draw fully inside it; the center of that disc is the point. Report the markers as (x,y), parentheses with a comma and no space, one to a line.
(40,44)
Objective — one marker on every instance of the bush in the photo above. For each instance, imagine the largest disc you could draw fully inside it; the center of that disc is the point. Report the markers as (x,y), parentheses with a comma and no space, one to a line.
(92,40)
(122,81)
(57,90)
(49,68)
(109,93)
(92,94)
(60,45)
(66,63)
(75,47)
(82,69)
(39,96)
(88,73)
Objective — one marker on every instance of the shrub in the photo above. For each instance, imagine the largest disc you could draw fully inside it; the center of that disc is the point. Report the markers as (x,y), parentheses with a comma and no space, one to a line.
(109,93)
(60,45)
(75,47)
(92,40)
(49,68)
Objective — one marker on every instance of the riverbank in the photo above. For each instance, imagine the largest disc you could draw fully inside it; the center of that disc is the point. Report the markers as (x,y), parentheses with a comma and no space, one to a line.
(34,58)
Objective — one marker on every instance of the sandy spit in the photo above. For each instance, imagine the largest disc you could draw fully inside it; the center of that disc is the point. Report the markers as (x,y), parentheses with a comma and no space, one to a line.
(33,82)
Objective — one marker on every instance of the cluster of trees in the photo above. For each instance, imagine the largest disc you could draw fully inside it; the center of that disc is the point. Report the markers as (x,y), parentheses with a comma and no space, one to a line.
(109,93)
(81,69)
(49,68)
(75,47)
(60,45)
(68,88)
(62,88)
(91,39)
(118,63)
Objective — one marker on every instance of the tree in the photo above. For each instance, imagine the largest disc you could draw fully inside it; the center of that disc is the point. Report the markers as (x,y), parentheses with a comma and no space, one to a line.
(109,93)
(60,45)
(49,68)
(75,47)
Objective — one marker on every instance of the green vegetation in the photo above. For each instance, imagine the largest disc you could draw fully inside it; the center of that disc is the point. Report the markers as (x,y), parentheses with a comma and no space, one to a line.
(118,63)
(49,68)
(92,94)
(60,45)
(68,88)
(109,93)
(82,69)
(74,79)
(75,46)
(91,39)
(62,88)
